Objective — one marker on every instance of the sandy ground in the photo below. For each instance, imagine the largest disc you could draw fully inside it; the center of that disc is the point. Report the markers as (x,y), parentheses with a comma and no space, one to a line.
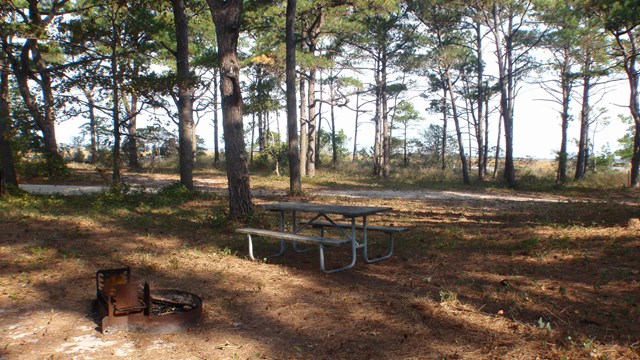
(480,276)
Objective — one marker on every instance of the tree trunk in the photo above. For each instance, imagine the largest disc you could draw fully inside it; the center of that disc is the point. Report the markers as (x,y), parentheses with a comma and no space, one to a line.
(311,139)
(496,160)
(132,144)
(405,158)
(334,145)
(115,90)
(312,39)
(386,129)
(506,83)
(252,138)
(319,124)
(584,118)
(295,183)
(186,126)
(480,100)
(508,101)
(21,72)
(355,130)
(377,145)
(456,121)
(226,16)
(43,114)
(93,124)
(262,139)
(486,129)
(566,98)
(48,125)
(216,150)
(634,107)
(443,157)
(304,141)
(7,171)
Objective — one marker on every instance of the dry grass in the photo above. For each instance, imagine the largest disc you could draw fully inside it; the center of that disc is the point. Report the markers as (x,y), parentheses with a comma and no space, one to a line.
(474,279)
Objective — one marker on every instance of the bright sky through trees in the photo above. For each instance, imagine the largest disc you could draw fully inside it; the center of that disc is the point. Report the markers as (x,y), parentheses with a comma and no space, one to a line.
(537,122)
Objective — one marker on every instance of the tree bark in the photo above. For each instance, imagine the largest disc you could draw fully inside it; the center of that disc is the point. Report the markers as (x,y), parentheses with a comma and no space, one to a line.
(456,121)
(634,108)
(565,84)
(131,108)
(496,159)
(43,113)
(21,72)
(405,157)
(480,101)
(93,125)
(226,16)
(48,121)
(216,150)
(304,141)
(186,126)
(252,138)
(377,144)
(486,128)
(508,102)
(115,89)
(311,139)
(443,155)
(319,125)
(386,129)
(7,171)
(334,144)
(506,84)
(355,130)
(295,184)
(584,117)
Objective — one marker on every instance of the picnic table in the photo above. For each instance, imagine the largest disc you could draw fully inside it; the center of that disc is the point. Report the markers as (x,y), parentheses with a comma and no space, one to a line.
(324,217)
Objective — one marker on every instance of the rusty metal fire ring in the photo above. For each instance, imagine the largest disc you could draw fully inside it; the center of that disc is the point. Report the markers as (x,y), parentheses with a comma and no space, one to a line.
(125,305)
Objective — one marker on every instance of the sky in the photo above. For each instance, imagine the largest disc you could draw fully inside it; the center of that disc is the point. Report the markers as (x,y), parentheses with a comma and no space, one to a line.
(536,124)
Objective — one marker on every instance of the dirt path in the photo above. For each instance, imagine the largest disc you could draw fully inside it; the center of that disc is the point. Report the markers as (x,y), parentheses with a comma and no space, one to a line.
(154,182)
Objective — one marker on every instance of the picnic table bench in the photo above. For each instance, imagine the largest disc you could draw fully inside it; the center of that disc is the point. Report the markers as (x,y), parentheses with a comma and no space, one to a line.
(322,219)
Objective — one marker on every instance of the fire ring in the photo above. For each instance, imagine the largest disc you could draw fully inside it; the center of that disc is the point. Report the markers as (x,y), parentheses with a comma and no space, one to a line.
(123,305)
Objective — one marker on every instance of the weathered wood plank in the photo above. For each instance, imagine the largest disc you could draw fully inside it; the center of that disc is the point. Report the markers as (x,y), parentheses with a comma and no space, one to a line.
(293,237)
(349,211)
(380,228)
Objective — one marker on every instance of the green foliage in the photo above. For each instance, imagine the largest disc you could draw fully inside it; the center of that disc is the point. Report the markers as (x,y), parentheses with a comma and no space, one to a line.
(428,147)
(275,152)
(42,166)
(617,14)
(625,149)
(326,143)
(175,193)
(218,217)
(117,195)
(604,159)
(448,296)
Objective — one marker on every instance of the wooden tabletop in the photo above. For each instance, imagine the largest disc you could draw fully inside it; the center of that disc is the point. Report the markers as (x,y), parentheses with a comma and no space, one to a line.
(349,211)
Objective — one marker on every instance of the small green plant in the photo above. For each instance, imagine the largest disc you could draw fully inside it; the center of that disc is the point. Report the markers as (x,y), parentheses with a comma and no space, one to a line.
(448,296)
(544,325)
(116,195)
(218,217)
(174,193)
(174,263)
(38,250)
(525,246)
(70,254)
